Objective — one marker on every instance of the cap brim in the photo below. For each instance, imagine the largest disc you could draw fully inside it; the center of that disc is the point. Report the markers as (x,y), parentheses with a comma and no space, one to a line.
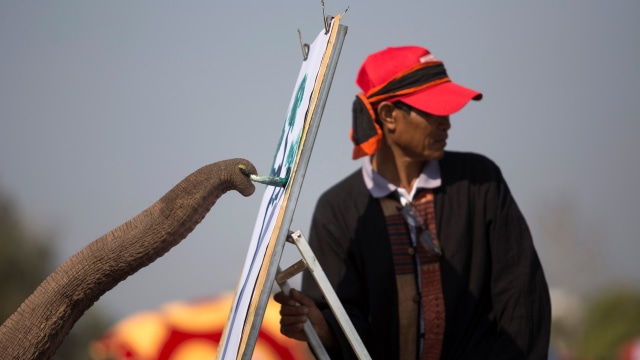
(443,99)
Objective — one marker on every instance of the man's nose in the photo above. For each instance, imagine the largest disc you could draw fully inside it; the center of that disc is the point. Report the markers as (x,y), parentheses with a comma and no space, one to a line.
(444,123)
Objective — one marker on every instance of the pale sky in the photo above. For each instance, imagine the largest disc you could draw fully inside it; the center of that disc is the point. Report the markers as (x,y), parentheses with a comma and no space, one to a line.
(104,106)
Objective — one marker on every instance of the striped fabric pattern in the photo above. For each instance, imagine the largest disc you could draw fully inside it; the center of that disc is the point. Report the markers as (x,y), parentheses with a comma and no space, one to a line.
(431,292)
(400,244)
(404,258)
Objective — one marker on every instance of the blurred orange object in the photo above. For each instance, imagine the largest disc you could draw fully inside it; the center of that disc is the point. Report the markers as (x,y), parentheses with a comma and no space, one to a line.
(190,330)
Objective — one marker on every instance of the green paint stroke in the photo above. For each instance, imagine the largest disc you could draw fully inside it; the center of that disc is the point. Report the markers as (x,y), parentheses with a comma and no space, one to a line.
(291,153)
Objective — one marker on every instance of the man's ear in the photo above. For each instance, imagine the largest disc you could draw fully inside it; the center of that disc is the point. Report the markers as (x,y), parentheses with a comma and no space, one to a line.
(386,115)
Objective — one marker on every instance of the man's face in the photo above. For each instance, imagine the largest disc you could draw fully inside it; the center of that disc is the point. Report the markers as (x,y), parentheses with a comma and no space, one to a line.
(420,135)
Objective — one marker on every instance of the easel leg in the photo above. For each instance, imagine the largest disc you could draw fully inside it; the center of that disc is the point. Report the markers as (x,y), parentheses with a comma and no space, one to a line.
(314,341)
(310,262)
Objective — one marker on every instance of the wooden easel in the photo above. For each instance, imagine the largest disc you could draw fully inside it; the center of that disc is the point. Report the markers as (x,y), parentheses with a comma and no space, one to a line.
(243,338)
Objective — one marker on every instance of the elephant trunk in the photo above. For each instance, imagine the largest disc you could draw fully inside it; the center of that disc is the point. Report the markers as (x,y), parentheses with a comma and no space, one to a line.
(38,327)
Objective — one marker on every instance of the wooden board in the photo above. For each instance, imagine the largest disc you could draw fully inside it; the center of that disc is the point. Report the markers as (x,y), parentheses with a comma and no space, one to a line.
(278,204)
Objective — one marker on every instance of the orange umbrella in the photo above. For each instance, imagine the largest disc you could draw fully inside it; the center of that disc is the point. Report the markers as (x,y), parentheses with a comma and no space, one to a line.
(190,330)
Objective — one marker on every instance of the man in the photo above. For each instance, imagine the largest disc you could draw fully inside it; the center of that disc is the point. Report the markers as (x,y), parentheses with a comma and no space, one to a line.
(426,248)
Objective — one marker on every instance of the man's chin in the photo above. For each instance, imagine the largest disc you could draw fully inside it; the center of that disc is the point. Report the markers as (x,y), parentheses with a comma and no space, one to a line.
(436,155)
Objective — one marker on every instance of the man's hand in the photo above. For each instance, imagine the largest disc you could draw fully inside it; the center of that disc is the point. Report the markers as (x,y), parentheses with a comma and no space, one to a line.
(296,309)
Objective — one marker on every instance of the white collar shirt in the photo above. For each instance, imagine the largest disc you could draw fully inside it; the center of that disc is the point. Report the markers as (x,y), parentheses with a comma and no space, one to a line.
(379,187)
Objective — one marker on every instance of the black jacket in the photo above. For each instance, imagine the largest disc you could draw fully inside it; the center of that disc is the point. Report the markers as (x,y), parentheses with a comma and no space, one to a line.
(496,296)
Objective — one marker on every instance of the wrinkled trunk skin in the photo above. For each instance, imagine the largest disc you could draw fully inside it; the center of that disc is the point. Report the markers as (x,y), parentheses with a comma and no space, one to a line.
(37,328)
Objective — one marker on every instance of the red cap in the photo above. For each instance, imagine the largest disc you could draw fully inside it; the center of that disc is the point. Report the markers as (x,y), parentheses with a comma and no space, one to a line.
(442,99)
